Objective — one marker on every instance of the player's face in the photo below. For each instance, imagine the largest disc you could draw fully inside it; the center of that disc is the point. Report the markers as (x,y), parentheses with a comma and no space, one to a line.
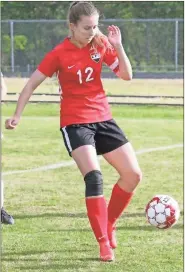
(85,30)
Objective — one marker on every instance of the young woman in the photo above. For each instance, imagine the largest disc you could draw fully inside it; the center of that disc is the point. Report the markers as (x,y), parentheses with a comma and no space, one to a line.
(86,121)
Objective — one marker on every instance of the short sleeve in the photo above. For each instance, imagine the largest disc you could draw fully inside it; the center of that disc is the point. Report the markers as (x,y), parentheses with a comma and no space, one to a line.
(110,59)
(50,64)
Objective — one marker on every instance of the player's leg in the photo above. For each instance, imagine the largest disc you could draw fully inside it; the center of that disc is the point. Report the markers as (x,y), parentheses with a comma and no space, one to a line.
(79,141)
(5,217)
(113,144)
(124,160)
(86,159)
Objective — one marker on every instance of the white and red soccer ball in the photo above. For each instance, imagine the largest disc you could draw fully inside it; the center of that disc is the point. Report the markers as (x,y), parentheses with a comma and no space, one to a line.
(162,211)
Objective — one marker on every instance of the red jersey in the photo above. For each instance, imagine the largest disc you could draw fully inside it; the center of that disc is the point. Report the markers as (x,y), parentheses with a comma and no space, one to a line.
(79,74)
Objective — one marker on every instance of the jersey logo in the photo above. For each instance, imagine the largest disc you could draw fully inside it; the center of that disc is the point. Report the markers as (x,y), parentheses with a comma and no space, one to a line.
(69,67)
(96,57)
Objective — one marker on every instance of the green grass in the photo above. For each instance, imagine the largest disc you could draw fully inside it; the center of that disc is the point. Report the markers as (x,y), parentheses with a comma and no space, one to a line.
(123,111)
(52,232)
(114,86)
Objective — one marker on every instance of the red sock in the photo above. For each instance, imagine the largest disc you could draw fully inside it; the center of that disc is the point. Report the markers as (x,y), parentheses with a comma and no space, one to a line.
(97,213)
(118,203)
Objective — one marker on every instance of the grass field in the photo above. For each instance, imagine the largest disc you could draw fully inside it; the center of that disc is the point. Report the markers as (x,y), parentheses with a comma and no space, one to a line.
(114,86)
(139,87)
(52,232)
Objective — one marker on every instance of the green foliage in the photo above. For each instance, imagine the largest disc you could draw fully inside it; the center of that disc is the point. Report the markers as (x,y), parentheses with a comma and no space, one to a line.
(108,9)
(20,42)
(147,45)
(6,43)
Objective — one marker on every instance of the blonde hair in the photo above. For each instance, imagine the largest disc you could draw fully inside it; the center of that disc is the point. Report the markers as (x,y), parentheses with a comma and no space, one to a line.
(80,8)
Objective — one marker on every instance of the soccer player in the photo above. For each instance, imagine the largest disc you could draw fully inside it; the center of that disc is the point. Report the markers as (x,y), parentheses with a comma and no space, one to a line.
(86,121)
(5,217)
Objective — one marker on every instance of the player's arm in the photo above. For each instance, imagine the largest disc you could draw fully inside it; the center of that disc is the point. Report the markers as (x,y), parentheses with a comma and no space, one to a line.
(125,69)
(3,88)
(47,67)
(35,80)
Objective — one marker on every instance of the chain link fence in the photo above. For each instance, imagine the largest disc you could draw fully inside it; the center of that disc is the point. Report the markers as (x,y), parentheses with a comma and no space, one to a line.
(154,46)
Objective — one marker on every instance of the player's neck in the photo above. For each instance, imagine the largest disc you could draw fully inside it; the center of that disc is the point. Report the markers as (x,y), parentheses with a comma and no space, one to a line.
(77,43)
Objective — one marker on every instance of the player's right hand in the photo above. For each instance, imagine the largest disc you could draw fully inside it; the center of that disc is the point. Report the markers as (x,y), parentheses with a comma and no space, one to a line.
(12,122)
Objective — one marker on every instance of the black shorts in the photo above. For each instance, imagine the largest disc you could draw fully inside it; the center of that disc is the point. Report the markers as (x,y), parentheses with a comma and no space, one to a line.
(104,136)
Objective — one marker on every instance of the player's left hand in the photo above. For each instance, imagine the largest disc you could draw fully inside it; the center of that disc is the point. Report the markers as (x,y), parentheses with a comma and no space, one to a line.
(114,35)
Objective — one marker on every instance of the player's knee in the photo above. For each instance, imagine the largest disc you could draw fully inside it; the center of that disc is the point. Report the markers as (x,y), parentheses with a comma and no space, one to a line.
(131,179)
(137,176)
(94,183)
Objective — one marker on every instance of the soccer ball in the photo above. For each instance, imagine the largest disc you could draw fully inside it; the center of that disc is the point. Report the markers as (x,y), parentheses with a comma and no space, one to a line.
(162,211)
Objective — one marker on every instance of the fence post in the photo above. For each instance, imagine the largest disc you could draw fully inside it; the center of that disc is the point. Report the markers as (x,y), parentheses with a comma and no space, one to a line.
(147,44)
(12,44)
(176,45)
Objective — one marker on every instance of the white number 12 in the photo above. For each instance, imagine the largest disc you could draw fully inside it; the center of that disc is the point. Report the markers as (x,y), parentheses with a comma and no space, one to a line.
(88,71)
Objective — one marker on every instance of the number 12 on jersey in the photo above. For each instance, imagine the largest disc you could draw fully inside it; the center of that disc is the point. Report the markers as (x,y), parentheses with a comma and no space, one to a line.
(88,71)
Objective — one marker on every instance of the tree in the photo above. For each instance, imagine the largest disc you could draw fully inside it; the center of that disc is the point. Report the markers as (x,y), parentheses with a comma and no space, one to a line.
(108,9)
